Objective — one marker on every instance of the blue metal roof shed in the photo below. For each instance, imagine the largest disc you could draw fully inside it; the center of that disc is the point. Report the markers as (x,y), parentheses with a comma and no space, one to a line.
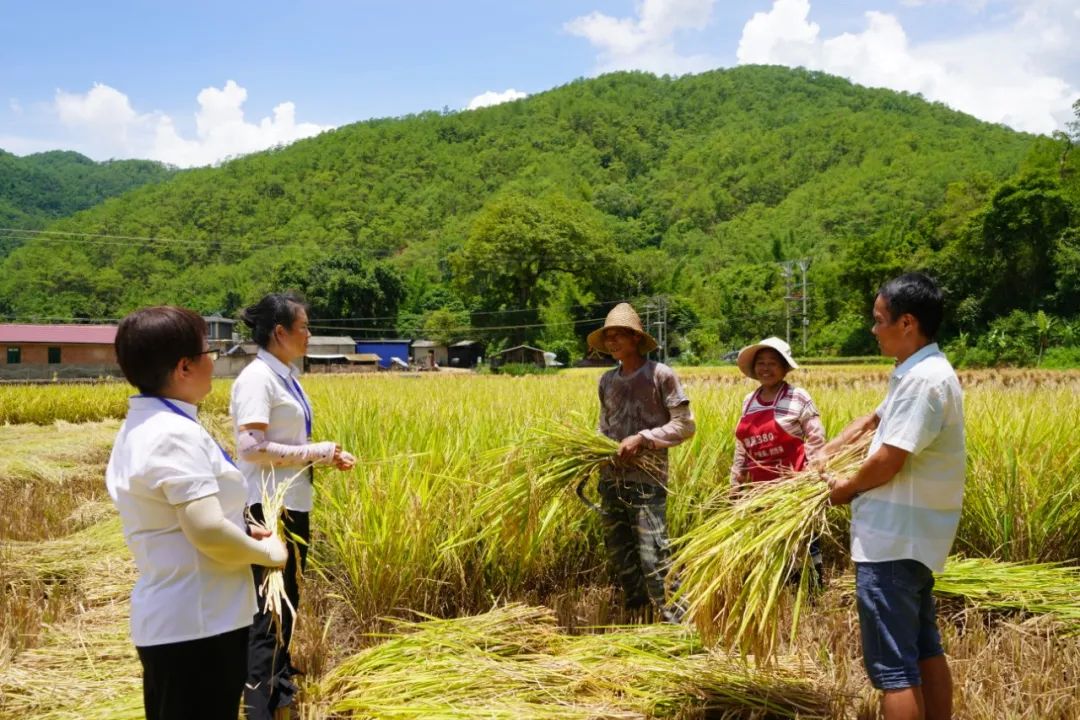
(385,349)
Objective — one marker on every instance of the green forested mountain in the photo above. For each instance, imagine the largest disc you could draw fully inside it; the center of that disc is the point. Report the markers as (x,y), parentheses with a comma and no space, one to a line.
(37,189)
(534,213)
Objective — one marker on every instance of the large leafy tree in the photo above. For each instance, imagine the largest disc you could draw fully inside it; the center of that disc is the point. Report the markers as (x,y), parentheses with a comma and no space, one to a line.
(519,245)
(1005,258)
(345,287)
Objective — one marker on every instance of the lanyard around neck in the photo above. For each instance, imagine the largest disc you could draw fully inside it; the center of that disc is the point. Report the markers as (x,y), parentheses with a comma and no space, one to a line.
(294,389)
(174,409)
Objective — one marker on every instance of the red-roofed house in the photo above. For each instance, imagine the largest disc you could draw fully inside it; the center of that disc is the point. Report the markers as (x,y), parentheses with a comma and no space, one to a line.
(44,351)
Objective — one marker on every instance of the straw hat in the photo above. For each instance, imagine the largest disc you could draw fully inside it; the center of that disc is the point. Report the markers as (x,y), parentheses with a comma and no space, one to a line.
(622,316)
(748,353)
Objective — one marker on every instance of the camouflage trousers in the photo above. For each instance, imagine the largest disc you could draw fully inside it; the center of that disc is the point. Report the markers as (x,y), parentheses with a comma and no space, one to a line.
(636,537)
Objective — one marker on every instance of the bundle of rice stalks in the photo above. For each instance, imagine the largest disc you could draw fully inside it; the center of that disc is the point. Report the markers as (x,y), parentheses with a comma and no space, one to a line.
(1040,589)
(531,486)
(735,567)
(513,663)
(663,671)
(272,589)
(463,667)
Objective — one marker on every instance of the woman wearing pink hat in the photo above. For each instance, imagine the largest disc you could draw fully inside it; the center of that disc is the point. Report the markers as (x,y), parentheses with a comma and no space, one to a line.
(780,428)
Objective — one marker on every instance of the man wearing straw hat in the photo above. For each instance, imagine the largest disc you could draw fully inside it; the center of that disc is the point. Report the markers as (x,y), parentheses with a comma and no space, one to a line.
(905,503)
(644,409)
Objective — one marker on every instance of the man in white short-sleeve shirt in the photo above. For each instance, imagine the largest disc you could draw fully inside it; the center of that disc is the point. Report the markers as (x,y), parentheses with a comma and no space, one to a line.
(905,503)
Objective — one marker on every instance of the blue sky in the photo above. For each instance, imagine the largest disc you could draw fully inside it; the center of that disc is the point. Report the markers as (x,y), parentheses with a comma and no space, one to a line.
(191,83)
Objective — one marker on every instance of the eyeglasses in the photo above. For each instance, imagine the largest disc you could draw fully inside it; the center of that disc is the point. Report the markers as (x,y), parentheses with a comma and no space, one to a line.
(214,354)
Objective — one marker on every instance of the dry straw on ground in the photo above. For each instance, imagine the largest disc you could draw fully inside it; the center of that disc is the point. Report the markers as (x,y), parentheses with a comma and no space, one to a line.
(513,663)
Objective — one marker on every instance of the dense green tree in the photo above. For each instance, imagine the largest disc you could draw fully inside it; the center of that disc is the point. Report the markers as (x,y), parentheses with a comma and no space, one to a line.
(1006,257)
(518,242)
(346,288)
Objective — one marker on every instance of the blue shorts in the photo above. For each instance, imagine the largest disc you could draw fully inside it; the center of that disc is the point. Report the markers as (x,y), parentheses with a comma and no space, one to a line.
(897,621)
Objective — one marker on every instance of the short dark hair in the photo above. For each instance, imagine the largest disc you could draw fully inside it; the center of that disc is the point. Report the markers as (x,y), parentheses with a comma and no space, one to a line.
(150,342)
(918,295)
(273,310)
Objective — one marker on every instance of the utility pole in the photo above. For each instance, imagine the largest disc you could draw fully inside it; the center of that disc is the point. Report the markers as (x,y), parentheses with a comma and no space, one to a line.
(804,265)
(658,327)
(648,313)
(787,269)
(661,327)
(665,328)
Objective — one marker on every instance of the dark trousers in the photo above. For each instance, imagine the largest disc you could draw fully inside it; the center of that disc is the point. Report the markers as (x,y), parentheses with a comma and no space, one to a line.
(636,536)
(195,679)
(269,667)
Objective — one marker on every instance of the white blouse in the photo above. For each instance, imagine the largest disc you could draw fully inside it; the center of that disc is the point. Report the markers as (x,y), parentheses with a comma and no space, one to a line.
(161,460)
(264,393)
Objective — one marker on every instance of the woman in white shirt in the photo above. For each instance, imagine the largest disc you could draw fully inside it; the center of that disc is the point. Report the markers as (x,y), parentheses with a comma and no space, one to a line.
(272,417)
(181,502)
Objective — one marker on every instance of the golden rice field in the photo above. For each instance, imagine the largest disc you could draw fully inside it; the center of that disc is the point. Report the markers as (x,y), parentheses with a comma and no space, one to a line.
(404,537)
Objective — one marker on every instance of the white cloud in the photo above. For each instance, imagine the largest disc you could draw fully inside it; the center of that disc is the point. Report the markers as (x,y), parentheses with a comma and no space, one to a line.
(15,106)
(105,125)
(1005,75)
(647,42)
(104,114)
(491,97)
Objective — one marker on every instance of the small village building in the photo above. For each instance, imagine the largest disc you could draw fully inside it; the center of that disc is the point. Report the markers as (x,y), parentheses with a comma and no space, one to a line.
(596,359)
(345,363)
(36,352)
(520,355)
(219,330)
(466,354)
(428,353)
(324,350)
(365,362)
(387,350)
(330,345)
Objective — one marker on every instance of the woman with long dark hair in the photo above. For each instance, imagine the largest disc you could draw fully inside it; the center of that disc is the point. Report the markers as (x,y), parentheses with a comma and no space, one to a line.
(273,418)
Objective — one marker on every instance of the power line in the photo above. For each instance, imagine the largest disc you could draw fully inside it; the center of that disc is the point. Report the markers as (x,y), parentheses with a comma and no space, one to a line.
(479,312)
(117,241)
(316,326)
(67,236)
(466,328)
